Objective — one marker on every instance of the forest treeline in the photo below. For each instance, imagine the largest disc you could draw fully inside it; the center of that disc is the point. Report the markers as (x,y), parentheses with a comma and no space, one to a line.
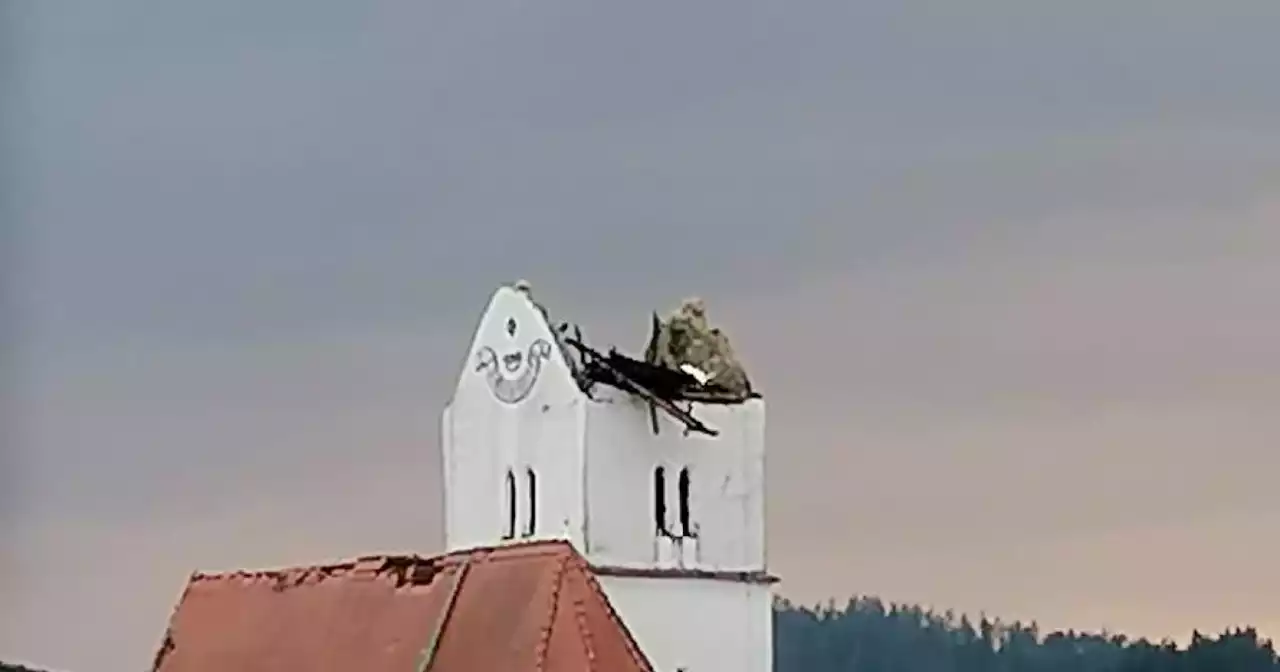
(867,635)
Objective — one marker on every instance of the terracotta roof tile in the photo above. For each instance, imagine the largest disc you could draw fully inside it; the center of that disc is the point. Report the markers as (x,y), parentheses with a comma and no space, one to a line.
(534,606)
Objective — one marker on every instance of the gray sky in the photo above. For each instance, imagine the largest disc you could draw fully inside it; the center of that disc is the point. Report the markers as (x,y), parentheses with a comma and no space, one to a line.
(1007,272)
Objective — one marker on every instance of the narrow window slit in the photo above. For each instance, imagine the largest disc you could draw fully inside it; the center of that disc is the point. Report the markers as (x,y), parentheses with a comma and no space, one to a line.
(530,525)
(509,531)
(660,502)
(686,528)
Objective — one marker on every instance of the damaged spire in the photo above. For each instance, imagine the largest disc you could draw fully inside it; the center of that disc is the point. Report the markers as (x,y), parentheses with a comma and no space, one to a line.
(687,342)
(686,360)
(651,383)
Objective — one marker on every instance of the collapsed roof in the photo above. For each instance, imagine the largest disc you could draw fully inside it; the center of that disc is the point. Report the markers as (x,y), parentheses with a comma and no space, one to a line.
(686,360)
(533,606)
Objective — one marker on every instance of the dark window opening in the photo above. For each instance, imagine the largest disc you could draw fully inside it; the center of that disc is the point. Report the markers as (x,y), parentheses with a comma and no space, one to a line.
(510,531)
(686,528)
(660,501)
(530,525)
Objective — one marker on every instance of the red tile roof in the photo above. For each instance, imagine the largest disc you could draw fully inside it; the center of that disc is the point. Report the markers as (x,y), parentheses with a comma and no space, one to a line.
(533,606)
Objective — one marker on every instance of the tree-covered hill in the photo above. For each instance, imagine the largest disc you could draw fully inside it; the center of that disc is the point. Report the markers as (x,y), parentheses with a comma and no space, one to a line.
(866,635)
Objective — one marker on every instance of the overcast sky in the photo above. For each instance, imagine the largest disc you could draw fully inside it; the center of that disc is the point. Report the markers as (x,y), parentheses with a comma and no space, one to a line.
(1008,273)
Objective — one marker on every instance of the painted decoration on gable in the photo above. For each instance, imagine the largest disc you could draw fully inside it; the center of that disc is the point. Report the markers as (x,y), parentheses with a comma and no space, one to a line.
(512,376)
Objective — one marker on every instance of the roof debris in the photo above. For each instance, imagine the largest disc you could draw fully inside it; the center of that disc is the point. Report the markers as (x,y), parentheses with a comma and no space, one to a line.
(686,340)
(686,360)
(655,384)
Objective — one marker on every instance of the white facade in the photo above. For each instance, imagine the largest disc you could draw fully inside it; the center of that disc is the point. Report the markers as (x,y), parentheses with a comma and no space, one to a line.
(527,455)
(725,507)
(697,624)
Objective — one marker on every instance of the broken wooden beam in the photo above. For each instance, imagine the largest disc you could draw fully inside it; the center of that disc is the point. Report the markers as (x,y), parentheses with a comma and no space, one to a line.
(627,383)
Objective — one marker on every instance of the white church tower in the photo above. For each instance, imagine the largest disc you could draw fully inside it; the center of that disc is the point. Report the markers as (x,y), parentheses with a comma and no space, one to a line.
(672,521)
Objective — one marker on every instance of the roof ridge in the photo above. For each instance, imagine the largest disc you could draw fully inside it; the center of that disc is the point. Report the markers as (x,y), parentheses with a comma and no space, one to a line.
(544,639)
(584,633)
(433,644)
(457,556)
(351,564)
(628,639)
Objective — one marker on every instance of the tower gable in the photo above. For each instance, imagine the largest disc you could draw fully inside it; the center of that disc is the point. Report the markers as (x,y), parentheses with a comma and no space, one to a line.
(514,354)
(512,434)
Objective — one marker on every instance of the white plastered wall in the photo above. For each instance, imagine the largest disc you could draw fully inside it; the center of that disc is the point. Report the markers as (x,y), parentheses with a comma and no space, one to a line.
(540,427)
(696,625)
(727,485)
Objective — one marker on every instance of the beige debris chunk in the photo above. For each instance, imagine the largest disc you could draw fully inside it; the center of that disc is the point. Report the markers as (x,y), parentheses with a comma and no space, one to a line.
(686,337)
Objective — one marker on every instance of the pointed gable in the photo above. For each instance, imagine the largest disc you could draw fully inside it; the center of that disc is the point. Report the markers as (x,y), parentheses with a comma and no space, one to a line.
(514,351)
(530,607)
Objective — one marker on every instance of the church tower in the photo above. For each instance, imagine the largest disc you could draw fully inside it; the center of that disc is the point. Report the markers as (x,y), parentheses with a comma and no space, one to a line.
(545,439)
